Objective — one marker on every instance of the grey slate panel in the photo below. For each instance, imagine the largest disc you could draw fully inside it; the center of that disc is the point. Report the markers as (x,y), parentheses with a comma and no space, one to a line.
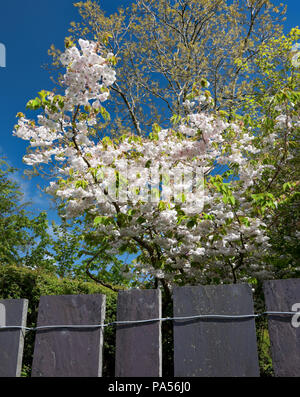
(69,352)
(138,346)
(13,312)
(214,347)
(281,295)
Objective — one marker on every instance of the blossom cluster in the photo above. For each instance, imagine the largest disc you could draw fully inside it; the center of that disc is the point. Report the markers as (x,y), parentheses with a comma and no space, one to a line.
(194,230)
(88,74)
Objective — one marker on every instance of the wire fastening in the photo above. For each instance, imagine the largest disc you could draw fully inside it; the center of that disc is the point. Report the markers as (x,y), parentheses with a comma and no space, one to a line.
(199,316)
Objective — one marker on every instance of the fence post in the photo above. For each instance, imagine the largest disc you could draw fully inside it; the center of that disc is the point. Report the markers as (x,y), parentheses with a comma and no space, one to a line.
(13,312)
(214,347)
(284,330)
(69,352)
(138,346)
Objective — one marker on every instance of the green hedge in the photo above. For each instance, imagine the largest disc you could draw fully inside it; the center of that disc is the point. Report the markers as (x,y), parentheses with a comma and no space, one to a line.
(19,282)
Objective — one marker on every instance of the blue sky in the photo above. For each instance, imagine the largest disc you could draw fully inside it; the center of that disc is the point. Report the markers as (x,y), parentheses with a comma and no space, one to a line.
(27,29)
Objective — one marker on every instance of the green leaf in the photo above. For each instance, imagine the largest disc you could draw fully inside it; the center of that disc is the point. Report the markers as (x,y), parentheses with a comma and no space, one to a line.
(81,183)
(162,205)
(34,104)
(181,218)
(231,200)
(156,128)
(103,220)
(148,164)
(140,220)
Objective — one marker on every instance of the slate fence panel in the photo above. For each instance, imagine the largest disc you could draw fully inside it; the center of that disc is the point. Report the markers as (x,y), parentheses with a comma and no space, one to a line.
(218,341)
(214,347)
(13,312)
(138,346)
(69,352)
(284,330)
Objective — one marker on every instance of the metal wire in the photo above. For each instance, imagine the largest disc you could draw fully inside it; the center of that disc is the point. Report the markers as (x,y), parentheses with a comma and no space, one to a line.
(199,316)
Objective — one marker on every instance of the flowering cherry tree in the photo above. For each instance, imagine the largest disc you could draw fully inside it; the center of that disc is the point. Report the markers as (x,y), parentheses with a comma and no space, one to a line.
(159,195)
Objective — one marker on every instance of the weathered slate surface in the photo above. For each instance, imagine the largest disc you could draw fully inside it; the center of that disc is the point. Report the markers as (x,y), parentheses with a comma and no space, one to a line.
(281,295)
(214,347)
(69,352)
(138,346)
(13,312)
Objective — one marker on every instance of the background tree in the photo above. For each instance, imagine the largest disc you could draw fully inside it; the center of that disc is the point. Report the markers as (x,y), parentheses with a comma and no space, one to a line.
(76,255)
(29,241)
(178,242)
(164,48)
(24,238)
(278,91)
